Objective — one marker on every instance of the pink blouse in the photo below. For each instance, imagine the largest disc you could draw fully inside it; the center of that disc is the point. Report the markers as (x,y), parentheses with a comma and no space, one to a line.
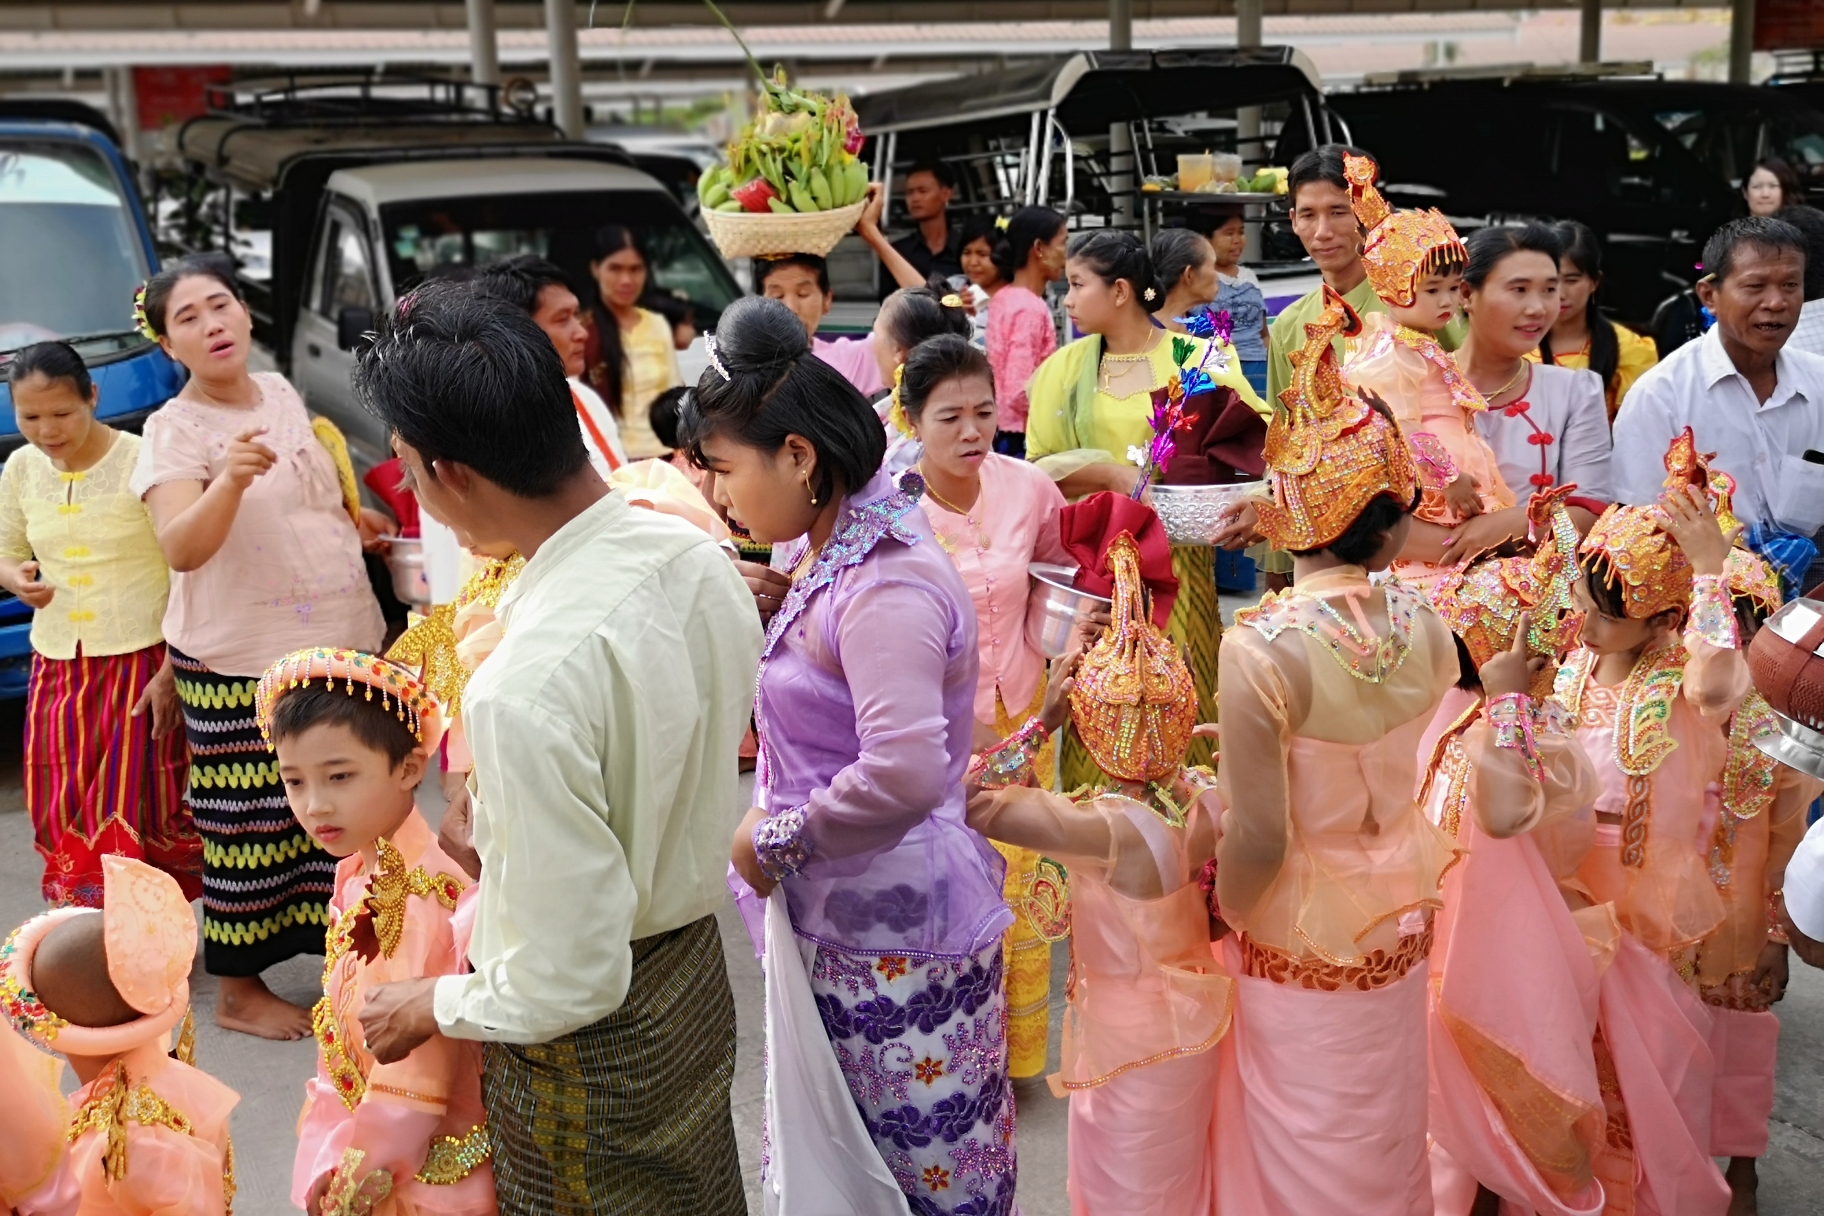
(1013,523)
(290,575)
(1021,335)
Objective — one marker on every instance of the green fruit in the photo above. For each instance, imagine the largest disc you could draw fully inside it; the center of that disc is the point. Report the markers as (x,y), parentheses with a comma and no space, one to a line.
(801,197)
(820,190)
(780,206)
(838,179)
(728,205)
(717,194)
(858,180)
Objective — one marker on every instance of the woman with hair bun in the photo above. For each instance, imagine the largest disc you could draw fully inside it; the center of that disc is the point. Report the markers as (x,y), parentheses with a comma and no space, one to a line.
(260,523)
(1582,337)
(1022,332)
(864,710)
(1093,403)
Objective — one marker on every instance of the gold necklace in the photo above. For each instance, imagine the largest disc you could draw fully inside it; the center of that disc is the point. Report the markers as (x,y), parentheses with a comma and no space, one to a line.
(1105,378)
(1511,381)
(981,542)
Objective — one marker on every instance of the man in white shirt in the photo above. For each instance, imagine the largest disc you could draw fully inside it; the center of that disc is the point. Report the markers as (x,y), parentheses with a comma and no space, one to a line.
(1808,334)
(1749,397)
(604,729)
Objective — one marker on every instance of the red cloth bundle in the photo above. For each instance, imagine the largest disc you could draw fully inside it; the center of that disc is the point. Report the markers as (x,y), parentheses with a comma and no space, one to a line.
(1087,528)
(383,479)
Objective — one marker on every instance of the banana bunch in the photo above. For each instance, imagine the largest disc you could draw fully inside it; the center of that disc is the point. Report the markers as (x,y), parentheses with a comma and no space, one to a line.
(797,155)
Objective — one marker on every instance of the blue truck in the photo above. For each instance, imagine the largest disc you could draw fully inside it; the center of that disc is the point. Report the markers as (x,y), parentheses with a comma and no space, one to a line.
(74,245)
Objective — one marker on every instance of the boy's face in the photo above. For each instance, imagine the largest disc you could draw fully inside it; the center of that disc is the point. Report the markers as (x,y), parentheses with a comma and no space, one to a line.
(345,794)
(1434,302)
(1605,634)
(797,288)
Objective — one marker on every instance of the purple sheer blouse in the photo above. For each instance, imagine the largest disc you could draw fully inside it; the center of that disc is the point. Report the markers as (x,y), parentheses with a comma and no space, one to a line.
(866,716)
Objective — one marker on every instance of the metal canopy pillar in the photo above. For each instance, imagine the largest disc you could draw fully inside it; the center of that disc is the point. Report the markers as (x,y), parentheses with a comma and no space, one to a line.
(1248,143)
(484,47)
(1120,25)
(1741,41)
(566,67)
(1589,42)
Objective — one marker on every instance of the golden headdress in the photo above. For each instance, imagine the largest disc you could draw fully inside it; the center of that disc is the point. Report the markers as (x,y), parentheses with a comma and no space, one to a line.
(1482,601)
(1401,247)
(1750,576)
(1134,705)
(401,692)
(1329,453)
(1629,547)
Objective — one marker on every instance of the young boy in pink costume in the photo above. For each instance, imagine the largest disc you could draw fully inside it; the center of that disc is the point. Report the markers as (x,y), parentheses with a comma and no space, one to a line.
(148,1135)
(1741,968)
(1414,261)
(1650,703)
(1148,1001)
(1516,1107)
(353,734)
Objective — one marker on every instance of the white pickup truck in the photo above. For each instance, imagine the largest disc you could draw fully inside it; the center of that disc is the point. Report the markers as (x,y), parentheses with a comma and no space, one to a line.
(365,197)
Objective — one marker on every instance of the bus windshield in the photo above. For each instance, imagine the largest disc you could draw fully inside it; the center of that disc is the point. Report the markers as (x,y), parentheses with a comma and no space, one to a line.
(70,254)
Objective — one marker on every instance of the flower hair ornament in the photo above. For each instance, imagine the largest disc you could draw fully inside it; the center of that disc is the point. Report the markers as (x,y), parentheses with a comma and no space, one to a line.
(715,360)
(400,692)
(1149,295)
(1001,221)
(952,300)
(1401,247)
(896,413)
(140,321)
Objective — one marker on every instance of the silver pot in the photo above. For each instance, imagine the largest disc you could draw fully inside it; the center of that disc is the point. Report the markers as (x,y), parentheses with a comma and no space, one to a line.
(405,561)
(1192,515)
(1054,606)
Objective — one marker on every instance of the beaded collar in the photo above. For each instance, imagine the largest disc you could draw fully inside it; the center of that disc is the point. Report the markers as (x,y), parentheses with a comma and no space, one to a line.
(1368,658)
(1466,395)
(1643,703)
(858,530)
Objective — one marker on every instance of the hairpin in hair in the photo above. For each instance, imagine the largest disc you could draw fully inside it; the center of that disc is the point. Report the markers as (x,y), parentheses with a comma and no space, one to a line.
(140,322)
(1000,221)
(897,413)
(1149,295)
(952,301)
(715,360)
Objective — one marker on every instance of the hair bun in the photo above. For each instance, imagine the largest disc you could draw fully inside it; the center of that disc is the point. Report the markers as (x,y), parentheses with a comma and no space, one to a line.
(759,337)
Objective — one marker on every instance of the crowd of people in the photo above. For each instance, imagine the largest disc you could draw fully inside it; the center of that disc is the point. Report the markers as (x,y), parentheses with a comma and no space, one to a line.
(1472,892)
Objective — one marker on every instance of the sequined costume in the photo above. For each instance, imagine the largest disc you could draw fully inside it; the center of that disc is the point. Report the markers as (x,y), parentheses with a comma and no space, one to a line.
(1516,1105)
(1656,741)
(1148,1002)
(1326,867)
(148,1133)
(1760,819)
(864,708)
(420,1118)
(1433,401)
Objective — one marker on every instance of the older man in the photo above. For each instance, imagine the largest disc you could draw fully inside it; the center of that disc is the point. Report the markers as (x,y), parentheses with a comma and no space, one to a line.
(1749,397)
(604,729)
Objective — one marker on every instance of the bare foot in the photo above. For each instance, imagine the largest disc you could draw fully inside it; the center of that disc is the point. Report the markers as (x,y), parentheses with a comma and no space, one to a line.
(246,1004)
(1743,1182)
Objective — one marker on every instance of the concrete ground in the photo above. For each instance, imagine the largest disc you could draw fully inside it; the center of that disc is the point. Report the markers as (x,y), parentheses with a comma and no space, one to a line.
(270,1076)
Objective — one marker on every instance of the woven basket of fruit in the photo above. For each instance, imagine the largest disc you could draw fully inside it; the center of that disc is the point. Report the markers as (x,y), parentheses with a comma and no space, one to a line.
(793,183)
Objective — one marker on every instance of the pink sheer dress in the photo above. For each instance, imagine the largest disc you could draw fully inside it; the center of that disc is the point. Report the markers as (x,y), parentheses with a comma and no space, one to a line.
(35,1178)
(420,1118)
(172,1170)
(1515,1101)
(1330,872)
(1148,1002)
(1658,748)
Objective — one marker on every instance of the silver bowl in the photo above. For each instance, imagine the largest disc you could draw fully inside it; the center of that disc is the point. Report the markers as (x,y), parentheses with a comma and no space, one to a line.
(1192,515)
(1054,606)
(405,561)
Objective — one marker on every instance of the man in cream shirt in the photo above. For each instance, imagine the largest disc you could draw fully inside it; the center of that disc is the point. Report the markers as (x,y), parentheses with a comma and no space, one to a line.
(604,728)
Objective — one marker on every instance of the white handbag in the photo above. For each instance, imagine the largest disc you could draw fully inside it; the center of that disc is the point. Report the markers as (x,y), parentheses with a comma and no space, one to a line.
(821,1159)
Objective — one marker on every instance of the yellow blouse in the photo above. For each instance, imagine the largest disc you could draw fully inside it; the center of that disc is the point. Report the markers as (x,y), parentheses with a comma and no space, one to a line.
(1062,438)
(94,543)
(1636,353)
(652,367)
